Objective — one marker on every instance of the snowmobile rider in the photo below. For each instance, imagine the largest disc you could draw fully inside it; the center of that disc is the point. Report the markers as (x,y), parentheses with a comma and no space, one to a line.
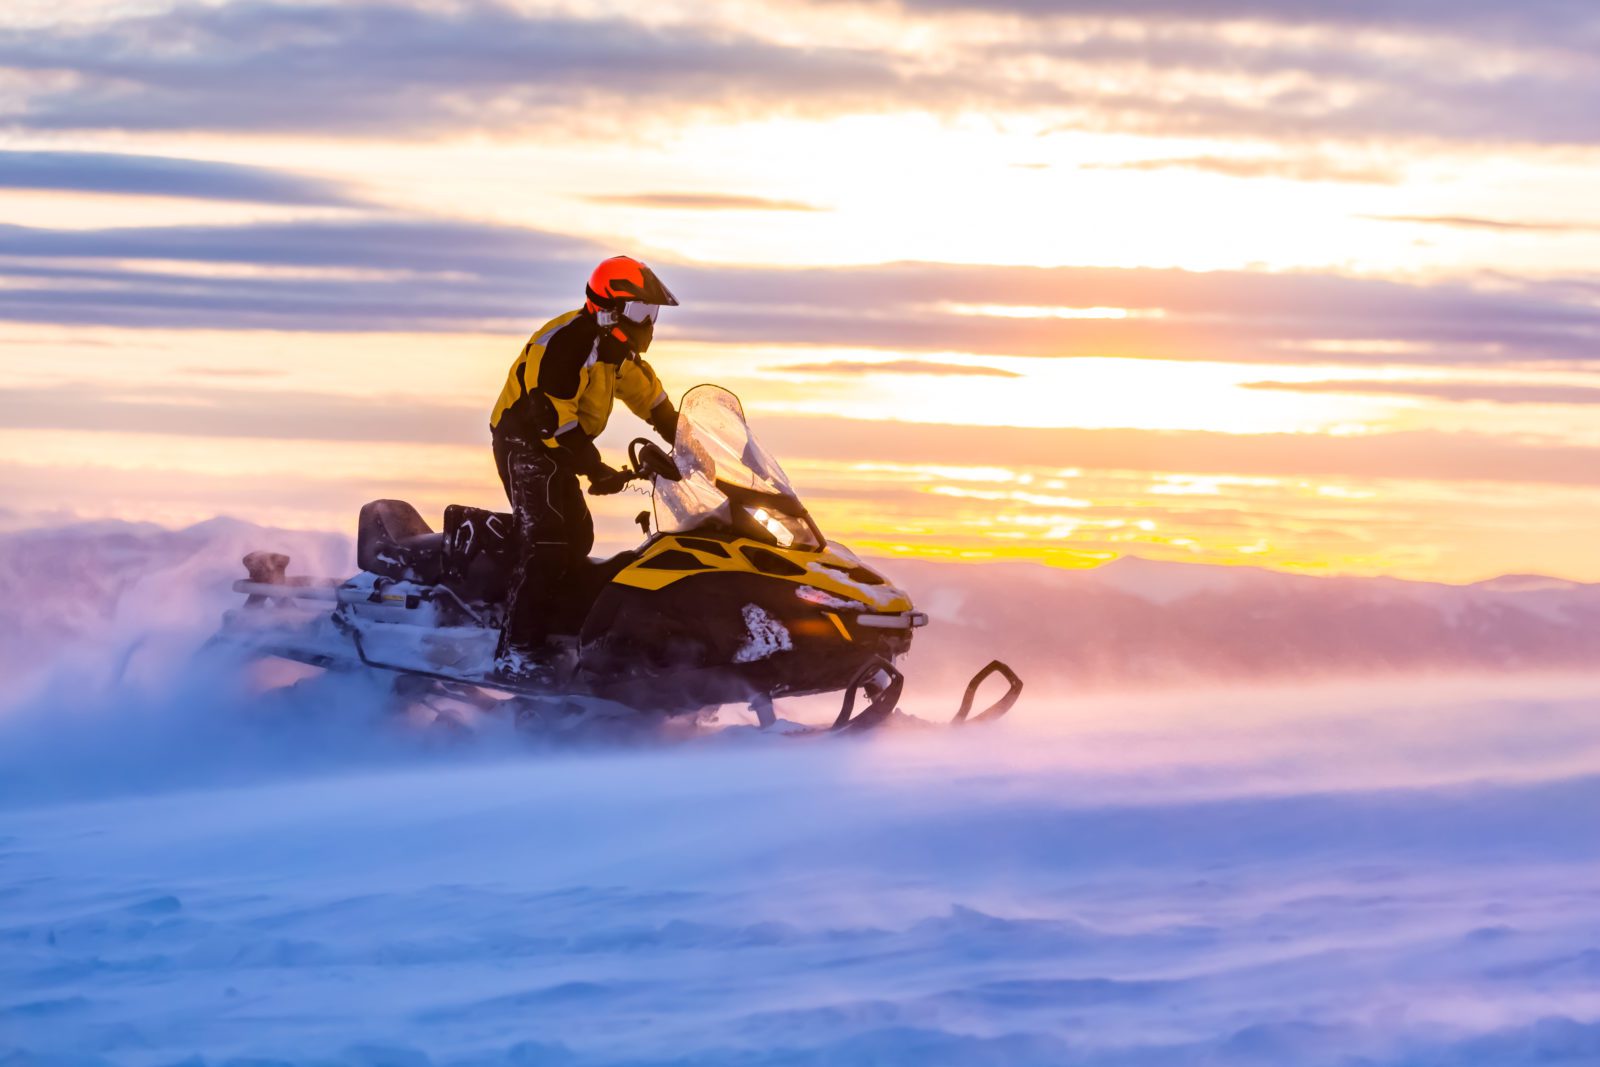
(557,398)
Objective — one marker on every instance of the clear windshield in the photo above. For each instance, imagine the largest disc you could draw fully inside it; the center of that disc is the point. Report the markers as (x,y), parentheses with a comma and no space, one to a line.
(714,445)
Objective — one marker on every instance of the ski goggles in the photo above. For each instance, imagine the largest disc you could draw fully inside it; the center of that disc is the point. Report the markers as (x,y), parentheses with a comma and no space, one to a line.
(639,313)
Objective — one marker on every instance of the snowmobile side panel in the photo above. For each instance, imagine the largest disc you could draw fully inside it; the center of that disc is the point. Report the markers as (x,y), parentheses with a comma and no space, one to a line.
(719,637)
(286,632)
(672,557)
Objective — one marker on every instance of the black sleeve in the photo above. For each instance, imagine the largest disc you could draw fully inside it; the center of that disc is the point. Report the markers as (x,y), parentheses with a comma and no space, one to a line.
(580,447)
(664,420)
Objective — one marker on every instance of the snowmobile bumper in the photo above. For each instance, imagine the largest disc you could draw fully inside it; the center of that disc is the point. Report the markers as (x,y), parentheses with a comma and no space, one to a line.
(259,591)
(904,620)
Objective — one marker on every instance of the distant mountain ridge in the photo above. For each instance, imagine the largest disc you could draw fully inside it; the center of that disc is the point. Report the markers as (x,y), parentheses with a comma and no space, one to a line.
(1142,622)
(1132,622)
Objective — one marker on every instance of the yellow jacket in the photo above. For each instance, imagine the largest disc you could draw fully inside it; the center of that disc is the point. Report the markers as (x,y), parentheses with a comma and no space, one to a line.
(559,383)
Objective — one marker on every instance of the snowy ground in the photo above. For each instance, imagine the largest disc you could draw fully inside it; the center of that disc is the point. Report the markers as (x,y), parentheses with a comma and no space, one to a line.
(1406,876)
(1382,874)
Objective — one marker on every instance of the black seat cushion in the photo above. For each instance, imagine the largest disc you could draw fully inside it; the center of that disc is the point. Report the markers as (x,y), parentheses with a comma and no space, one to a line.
(394,541)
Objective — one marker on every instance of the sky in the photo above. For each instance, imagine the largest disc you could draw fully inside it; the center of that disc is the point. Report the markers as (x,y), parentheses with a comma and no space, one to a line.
(1300,285)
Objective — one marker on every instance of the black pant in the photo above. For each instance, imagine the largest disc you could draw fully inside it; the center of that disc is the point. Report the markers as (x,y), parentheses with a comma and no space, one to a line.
(554,532)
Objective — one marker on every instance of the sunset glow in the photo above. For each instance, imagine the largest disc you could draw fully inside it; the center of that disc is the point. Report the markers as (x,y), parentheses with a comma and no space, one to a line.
(1055,282)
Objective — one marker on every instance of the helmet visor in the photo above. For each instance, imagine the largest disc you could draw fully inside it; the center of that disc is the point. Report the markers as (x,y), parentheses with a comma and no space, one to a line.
(639,313)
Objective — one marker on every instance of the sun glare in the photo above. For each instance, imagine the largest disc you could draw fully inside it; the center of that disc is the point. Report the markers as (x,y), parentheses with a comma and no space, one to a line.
(1085,393)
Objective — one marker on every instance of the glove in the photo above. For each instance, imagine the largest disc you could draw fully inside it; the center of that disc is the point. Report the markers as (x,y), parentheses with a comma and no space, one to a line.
(664,421)
(607,480)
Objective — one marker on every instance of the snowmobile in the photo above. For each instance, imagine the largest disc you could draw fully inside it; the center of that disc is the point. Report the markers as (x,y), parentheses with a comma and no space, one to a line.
(735,597)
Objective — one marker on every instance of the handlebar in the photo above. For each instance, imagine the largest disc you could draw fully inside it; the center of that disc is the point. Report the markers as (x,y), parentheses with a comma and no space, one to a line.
(634,459)
(649,460)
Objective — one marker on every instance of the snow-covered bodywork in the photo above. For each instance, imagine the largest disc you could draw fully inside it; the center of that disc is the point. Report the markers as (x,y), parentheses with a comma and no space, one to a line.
(736,596)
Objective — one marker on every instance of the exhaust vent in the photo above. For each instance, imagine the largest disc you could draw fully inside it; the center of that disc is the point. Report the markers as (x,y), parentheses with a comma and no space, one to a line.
(768,562)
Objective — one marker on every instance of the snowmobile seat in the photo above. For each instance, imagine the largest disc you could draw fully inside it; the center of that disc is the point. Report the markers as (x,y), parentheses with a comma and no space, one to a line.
(394,541)
(474,554)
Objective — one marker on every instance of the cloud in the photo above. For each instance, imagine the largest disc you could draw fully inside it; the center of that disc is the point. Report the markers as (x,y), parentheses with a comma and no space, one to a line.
(232,372)
(1418,454)
(896,366)
(304,415)
(247,413)
(1534,19)
(702,202)
(132,175)
(1174,314)
(1492,392)
(1467,222)
(387,67)
(1289,168)
(377,274)
(375,243)
(1194,81)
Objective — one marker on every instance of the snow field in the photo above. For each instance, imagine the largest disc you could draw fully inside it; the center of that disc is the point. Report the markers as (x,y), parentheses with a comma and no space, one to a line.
(1373,874)
(1408,876)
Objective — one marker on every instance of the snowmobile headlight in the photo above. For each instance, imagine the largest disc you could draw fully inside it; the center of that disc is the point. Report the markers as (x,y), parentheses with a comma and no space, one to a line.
(786,531)
(774,525)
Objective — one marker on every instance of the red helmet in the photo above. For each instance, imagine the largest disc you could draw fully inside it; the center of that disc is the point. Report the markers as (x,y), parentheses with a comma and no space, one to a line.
(625,296)
(623,280)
